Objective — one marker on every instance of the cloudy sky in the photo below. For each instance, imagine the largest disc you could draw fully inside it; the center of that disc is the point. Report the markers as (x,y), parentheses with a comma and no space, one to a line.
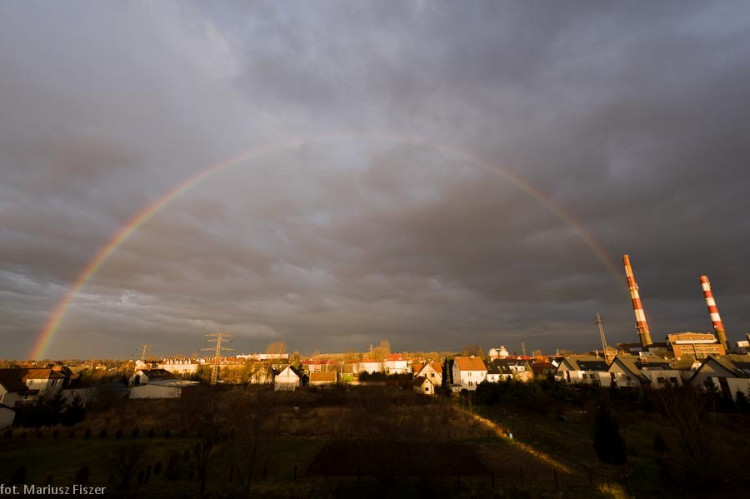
(431,173)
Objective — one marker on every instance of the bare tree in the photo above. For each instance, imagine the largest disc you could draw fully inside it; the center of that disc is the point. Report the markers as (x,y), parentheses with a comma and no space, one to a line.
(381,351)
(276,348)
(687,409)
(248,415)
(124,460)
(475,350)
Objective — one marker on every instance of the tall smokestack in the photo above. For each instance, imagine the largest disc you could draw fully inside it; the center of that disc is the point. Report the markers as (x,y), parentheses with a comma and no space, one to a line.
(714,312)
(640,317)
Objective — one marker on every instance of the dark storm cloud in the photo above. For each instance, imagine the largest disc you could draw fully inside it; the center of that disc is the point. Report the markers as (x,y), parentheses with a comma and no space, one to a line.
(630,118)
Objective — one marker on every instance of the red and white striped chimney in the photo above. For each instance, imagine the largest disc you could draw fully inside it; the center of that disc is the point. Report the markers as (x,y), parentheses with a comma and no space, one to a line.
(640,316)
(721,334)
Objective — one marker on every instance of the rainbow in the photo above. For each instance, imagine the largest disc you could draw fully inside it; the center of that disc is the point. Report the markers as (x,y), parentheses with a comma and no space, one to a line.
(58,313)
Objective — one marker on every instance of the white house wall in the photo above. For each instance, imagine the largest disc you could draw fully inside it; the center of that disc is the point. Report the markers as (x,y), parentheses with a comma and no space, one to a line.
(6,417)
(155,392)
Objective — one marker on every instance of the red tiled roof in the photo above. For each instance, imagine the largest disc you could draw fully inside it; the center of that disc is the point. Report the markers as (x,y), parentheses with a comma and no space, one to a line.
(470,364)
(323,377)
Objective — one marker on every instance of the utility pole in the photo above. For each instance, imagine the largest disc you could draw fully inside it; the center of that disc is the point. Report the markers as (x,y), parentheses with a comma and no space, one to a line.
(601,331)
(217,338)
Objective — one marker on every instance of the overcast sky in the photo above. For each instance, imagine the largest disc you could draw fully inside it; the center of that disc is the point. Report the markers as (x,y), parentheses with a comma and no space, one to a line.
(441,175)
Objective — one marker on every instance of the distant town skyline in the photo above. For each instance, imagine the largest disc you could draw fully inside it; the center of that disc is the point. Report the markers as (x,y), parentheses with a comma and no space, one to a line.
(336,173)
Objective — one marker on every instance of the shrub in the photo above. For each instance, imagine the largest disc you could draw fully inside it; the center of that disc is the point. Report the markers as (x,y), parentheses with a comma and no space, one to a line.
(82,476)
(660,445)
(19,476)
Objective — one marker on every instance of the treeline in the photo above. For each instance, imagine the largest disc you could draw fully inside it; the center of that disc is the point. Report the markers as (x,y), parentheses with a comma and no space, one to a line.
(51,411)
(548,395)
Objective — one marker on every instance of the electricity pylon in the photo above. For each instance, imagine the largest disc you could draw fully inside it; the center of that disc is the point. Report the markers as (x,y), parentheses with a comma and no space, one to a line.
(217,338)
(601,331)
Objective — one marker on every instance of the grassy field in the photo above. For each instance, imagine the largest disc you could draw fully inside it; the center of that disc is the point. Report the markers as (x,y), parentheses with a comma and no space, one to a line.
(548,456)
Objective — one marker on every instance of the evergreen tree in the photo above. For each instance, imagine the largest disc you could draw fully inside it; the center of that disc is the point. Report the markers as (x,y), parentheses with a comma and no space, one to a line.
(608,442)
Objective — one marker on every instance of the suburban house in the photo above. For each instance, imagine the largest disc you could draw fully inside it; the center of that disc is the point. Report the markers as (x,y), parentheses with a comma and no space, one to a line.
(585,369)
(498,370)
(370,366)
(424,385)
(323,378)
(48,381)
(396,364)
(728,373)
(162,389)
(180,367)
(432,371)
(542,367)
(319,365)
(287,380)
(625,372)
(13,390)
(468,372)
(7,415)
(521,368)
(659,371)
(143,376)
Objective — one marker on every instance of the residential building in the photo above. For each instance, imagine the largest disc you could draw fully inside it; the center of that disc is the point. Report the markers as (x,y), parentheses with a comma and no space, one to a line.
(468,372)
(498,370)
(585,369)
(432,371)
(319,378)
(625,373)
(396,364)
(370,366)
(287,380)
(728,373)
(424,385)
(48,381)
(13,390)
(162,389)
(179,367)
(7,416)
(143,376)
